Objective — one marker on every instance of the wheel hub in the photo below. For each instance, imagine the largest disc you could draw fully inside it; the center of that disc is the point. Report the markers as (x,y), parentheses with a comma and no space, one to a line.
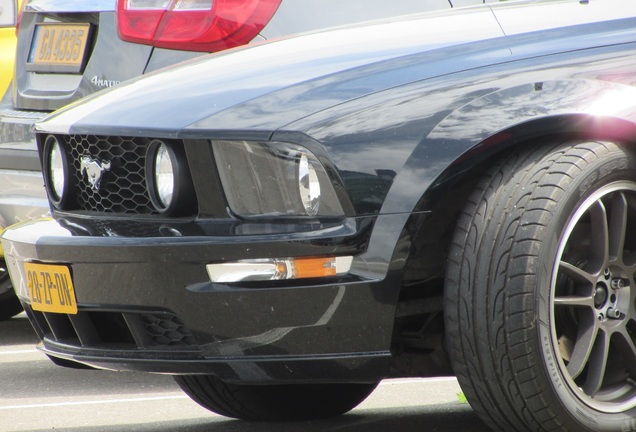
(600,296)
(610,296)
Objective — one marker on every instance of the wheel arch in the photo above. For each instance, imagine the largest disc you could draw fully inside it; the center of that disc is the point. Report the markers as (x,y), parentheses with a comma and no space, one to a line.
(436,210)
(459,147)
(448,193)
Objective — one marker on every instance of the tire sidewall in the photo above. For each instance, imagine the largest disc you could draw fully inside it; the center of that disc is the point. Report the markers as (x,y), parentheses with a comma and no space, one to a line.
(609,168)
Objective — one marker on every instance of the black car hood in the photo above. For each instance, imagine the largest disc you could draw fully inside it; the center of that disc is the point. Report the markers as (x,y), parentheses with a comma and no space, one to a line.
(264,87)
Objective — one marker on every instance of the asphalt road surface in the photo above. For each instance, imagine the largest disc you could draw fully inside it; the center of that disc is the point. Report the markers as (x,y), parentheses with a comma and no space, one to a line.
(36,395)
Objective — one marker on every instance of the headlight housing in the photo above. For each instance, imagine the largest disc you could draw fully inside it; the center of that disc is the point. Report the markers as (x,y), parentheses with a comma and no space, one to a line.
(56,169)
(168,178)
(274,179)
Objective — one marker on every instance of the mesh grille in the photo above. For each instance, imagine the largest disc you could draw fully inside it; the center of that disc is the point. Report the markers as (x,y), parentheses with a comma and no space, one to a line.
(167,330)
(123,187)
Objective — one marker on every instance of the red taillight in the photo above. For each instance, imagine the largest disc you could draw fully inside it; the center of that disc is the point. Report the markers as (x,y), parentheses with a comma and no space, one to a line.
(193,25)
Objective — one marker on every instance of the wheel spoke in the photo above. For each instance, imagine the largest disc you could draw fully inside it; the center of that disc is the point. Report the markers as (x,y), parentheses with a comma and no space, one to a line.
(618,227)
(597,364)
(579,275)
(585,340)
(599,237)
(574,301)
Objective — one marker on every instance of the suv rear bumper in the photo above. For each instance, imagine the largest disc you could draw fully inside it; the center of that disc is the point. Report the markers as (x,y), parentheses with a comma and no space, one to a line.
(22,193)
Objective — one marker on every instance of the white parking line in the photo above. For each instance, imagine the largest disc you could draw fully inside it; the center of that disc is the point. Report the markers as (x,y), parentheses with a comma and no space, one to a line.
(30,351)
(95,402)
(400,381)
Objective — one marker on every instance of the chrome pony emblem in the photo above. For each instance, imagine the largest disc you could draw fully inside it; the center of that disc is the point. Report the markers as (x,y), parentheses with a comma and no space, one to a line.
(94,170)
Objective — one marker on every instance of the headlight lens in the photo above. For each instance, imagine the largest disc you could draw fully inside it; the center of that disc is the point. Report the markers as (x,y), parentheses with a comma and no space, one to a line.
(164,175)
(58,176)
(168,177)
(308,186)
(56,169)
(273,179)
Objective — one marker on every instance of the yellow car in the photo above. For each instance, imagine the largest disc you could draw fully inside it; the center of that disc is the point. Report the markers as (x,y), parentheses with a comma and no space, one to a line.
(8,18)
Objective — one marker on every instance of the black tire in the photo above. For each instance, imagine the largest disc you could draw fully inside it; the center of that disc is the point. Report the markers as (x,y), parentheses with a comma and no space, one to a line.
(9,304)
(540,291)
(289,402)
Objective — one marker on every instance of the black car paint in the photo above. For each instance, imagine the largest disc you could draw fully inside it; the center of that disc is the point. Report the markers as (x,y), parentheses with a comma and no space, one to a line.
(470,102)
(498,73)
(33,95)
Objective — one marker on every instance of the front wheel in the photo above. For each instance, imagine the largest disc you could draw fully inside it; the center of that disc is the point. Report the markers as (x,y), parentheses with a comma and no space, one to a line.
(541,291)
(288,402)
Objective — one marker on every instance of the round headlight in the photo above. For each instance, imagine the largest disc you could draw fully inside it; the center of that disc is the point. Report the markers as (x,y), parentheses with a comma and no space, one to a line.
(168,178)
(56,167)
(308,186)
(164,175)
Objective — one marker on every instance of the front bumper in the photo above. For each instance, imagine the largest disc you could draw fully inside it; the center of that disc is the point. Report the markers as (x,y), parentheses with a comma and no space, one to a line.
(146,302)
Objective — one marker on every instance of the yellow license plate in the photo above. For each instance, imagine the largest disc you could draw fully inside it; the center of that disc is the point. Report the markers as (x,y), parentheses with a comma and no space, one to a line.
(58,48)
(50,288)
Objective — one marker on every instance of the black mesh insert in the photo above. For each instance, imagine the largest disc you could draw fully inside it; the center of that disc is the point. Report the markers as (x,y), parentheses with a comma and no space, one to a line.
(166,330)
(123,187)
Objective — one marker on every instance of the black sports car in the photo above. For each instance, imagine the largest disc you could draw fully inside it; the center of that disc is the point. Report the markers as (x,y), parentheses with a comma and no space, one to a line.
(283,226)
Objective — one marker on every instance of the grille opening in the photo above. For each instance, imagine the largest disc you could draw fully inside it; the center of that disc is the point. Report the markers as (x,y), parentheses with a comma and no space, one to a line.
(111,328)
(120,183)
(38,322)
(114,330)
(124,188)
(61,327)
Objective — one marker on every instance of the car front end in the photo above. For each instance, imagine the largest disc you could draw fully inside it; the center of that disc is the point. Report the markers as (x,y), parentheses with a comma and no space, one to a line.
(170,253)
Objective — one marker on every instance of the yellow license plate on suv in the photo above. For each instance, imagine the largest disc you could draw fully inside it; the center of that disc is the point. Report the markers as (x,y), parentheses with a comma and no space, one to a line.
(58,48)
(50,288)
